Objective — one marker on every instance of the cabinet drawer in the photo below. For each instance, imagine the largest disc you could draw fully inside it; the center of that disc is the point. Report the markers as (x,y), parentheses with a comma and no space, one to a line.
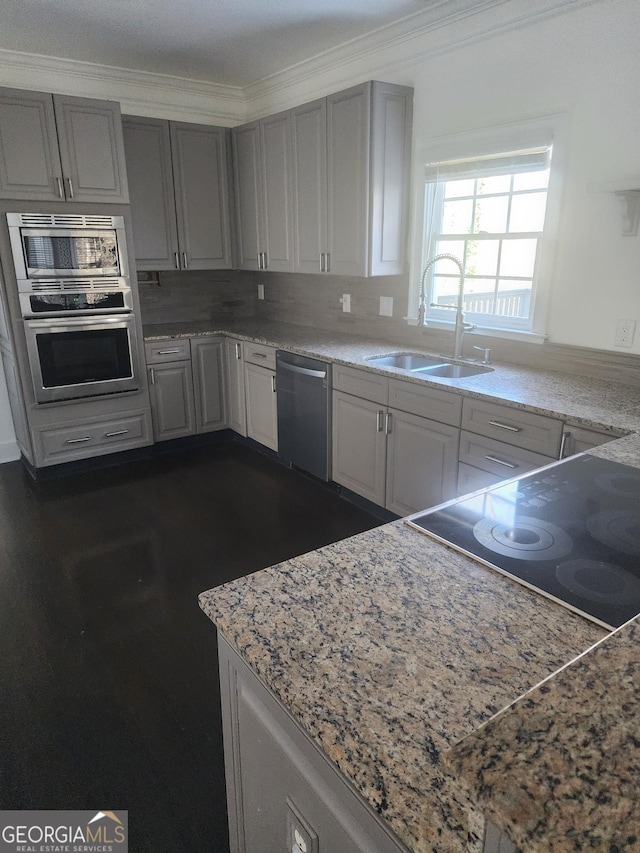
(578,439)
(361,383)
(157,352)
(428,402)
(537,433)
(471,479)
(499,458)
(93,438)
(260,354)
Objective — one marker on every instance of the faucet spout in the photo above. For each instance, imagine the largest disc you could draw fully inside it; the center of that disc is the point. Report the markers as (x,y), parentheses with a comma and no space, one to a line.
(461,326)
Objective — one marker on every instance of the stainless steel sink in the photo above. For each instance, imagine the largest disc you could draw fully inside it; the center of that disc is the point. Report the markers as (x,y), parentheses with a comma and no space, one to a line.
(411,361)
(415,362)
(455,371)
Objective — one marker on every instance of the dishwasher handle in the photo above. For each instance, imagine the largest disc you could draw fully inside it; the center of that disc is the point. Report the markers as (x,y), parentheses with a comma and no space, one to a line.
(306,371)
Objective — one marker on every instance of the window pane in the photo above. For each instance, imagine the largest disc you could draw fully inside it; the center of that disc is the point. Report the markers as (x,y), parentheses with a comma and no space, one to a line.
(479,295)
(491,215)
(445,289)
(482,257)
(514,298)
(449,247)
(494,184)
(531,180)
(518,258)
(456,218)
(453,189)
(527,212)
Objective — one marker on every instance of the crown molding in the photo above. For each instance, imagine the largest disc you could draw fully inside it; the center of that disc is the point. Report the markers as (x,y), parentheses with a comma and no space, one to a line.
(139,92)
(392,50)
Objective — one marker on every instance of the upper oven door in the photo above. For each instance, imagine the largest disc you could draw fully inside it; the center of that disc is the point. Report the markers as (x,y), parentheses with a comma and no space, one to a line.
(66,252)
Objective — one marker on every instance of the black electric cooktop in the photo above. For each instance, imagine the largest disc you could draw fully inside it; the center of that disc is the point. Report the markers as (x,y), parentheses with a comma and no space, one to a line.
(570,531)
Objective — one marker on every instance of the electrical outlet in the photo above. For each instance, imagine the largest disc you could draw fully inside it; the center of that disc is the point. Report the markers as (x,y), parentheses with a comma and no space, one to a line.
(386,306)
(345,299)
(625,330)
(261,291)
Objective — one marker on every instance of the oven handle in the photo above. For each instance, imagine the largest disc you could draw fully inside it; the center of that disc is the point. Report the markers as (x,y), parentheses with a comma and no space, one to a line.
(86,319)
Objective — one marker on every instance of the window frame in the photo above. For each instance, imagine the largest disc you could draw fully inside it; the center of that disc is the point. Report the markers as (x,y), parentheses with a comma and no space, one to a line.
(515,136)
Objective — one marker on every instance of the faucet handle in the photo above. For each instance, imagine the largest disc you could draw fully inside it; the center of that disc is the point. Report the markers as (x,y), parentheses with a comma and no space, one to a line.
(486,352)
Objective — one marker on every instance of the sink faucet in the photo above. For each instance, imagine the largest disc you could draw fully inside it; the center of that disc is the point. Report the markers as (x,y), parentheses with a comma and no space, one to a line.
(461,326)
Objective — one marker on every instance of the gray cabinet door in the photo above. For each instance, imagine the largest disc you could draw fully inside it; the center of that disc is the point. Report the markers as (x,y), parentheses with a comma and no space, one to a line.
(207,362)
(29,155)
(236,408)
(348,115)
(359,446)
(422,462)
(309,136)
(277,192)
(91,149)
(172,405)
(248,194)
(200,175)
(262,412)
(153,211)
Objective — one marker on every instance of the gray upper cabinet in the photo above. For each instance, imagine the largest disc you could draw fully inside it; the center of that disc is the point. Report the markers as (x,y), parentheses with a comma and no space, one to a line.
(351,166)
(264,194)
(179,194)
(55,148)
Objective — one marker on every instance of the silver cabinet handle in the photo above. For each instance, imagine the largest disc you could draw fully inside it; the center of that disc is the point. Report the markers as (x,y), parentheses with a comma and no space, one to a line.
(321,261)
(500,461)
(379,417)
(78,440)
(152,376)
(117,432)
(259,260)
(185,261)
(238,352)
(60,187)
(564,441)
(388,423)
(176,258)
(168,351)
(273,383)
(505,426)
(327,262)
(70,187)
(264,260)
(258,355)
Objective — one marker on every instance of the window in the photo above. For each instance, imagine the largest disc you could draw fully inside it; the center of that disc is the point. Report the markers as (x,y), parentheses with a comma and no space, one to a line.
(489,212)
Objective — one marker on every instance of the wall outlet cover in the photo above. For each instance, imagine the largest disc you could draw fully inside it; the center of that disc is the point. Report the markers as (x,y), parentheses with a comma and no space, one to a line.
(625,331)
(261,291)
(345,299)
(386,306)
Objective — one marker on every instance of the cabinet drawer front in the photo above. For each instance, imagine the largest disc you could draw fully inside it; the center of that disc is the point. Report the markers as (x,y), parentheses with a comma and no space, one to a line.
(471,479)
(499,458)
(260,354)
(361,383)
(537,433)
(90,439)
(428,402)
(157,352)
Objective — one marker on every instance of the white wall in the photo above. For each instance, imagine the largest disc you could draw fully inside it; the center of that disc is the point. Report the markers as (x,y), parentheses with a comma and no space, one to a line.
(8,446)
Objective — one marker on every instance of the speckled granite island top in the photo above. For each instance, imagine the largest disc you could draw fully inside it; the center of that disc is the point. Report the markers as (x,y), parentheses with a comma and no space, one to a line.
(560,769)
(606,406)
(389,648)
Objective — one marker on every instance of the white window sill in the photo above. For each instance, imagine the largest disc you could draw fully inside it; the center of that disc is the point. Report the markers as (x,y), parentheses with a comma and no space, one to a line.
(486,331)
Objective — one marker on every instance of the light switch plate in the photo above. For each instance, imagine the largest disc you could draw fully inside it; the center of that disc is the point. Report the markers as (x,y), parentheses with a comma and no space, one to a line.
(386,306)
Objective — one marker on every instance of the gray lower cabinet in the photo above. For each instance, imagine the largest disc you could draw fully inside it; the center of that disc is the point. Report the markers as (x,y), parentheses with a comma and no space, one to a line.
(261,402)
(577,439)
(394,455)
(61,148)
(172,402)
(281,789)
(186,384)
(93,436)
(236,408)
(179,194)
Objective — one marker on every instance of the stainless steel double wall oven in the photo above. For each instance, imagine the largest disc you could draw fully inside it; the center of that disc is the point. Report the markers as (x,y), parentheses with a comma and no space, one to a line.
(76,304)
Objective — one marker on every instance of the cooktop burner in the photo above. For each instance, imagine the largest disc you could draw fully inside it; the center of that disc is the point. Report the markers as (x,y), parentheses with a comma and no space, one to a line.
(570,531)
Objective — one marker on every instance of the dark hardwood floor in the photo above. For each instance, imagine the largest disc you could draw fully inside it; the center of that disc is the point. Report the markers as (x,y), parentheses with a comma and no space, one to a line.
(108,670)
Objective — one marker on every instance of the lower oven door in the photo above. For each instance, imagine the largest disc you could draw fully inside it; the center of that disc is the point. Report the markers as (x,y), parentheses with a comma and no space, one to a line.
(76,357)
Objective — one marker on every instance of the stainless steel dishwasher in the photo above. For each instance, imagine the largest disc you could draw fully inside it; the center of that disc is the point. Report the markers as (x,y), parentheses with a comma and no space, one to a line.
(303,388)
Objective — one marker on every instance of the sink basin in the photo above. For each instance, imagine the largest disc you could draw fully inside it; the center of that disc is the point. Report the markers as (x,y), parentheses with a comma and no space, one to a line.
(411,361)
(415,362)
(455,371)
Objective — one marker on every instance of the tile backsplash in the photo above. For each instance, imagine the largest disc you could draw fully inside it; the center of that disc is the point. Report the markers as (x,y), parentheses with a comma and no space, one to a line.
(196,295)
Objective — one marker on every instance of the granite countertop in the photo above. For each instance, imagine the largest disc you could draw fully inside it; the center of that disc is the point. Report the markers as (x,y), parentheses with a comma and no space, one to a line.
(388,648)
(606,406)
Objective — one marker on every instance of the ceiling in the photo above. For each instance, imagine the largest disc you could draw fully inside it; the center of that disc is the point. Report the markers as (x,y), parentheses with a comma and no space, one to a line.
(229,42)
